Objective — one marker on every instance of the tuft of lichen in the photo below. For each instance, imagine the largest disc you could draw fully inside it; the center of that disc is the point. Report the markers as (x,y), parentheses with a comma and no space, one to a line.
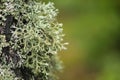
(30,38)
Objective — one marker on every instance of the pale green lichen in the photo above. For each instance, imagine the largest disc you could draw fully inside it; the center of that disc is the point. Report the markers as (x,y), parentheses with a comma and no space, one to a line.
(3,43)
(7,74)
(30,33)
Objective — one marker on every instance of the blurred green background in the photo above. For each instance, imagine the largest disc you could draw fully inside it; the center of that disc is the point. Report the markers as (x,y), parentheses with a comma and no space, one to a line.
(92,28)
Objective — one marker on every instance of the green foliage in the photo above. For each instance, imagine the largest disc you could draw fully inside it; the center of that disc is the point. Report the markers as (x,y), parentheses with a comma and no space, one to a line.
(30,38)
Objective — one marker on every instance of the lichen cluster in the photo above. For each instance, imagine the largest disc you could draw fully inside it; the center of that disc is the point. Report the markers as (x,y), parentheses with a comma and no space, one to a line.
(30,38)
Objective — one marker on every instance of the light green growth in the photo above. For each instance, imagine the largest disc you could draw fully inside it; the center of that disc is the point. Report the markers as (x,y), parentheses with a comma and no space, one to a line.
(30,33)
(6,73)
(3,43)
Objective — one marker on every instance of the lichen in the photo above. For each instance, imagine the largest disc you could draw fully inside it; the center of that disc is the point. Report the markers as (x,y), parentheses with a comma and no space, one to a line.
(30,38)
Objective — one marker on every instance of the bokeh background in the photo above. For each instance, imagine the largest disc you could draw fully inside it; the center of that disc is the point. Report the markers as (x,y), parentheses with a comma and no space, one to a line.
(92,28)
